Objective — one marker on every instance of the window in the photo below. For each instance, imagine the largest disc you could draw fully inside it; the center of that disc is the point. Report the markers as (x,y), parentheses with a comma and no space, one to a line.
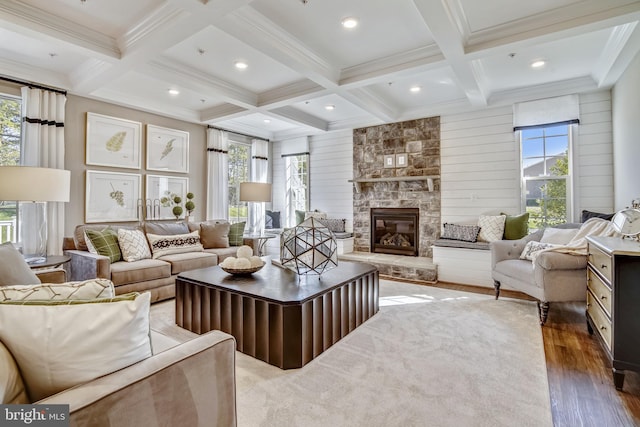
(296,185)
(10,135)
(239,171)
(546,174)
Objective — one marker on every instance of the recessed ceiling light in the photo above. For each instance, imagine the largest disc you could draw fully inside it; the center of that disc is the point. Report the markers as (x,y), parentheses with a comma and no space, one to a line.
(330,107)
(174,92)
(415,89)
(349,23)
(267,121)
(538,64)
(241,65)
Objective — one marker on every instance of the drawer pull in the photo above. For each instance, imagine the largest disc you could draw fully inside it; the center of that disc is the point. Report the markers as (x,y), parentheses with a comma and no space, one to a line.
(603,297)
(603,266)
(603,328)
(588,304)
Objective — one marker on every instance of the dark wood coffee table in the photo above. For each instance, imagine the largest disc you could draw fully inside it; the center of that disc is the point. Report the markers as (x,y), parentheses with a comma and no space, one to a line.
(275,315)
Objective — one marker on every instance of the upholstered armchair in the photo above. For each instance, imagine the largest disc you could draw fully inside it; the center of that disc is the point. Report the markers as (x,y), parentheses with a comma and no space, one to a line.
(550,277)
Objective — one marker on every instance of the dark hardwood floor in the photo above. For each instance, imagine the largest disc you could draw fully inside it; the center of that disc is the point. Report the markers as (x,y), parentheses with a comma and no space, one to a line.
(579,372)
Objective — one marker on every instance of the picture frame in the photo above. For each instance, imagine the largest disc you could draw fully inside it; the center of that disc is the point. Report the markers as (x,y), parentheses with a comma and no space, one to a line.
(111,196)
(401,160)
(159,186)
(389,161)
(114,142)
(167,149)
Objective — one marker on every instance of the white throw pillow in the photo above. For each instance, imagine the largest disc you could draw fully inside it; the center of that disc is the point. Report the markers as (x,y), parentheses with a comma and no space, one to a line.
(82,340)
(83,290)
(133,245)
(558,236)
(491,227)
(174,244)
(532,248)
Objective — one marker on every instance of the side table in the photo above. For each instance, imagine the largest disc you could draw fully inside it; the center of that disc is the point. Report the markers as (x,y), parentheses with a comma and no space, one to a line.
(259,241)
(53,261)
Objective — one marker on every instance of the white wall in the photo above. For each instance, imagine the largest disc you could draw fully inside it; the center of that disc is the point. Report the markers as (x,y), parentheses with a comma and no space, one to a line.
(480,159)
(626,135)
(330,168)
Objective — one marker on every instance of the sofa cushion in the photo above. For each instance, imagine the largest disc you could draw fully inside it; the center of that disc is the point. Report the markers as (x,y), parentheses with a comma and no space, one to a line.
(166,228)
(133,245)
(465,233)
(12,389)
(518,269)
(174,244)
(491,227)
(516,226)
(80,238)
(14,270)
(223,253)
(87,289)
(105,243)
(215,235)
(190,261)
(123,272)
(83,340)
(235,234)
(271,219)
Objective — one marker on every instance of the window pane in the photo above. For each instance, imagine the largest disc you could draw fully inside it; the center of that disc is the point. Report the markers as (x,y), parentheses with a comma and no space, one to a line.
(558,166)
(533,148)
(239,164)
(533,167)
(556,145)
(10,128)
(532,133)
(556,130)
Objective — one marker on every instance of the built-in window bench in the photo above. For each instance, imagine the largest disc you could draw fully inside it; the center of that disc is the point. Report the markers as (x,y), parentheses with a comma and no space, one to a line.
(463,262)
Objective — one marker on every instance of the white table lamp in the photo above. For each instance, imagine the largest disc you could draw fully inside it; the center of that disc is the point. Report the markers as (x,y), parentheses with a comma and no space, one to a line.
(38,186)
(257,193)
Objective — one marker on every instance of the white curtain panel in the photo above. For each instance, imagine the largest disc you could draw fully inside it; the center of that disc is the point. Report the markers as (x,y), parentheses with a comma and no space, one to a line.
(259,173)
(217,174)
(43,114)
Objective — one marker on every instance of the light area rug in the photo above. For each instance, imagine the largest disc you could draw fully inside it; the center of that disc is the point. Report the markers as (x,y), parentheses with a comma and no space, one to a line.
(429,357)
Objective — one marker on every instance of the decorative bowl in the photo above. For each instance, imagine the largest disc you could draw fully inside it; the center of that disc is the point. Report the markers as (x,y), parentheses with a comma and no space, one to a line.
(241,271)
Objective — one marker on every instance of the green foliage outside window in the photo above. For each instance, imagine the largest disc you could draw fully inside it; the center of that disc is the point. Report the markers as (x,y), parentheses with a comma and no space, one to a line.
(10,129)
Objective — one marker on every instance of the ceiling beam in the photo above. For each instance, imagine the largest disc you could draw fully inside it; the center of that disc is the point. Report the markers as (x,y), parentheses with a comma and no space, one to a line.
(297,117)
(621,48)
(443,28)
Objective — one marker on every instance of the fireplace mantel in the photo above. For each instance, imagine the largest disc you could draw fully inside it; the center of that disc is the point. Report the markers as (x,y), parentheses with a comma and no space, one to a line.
(428,178)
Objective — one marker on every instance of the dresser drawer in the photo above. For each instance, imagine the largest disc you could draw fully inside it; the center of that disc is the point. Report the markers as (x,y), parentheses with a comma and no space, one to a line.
(600,320)
(600,261)
(600,290)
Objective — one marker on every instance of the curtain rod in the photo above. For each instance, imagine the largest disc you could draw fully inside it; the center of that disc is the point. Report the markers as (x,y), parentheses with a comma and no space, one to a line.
(237,133)
(33,85)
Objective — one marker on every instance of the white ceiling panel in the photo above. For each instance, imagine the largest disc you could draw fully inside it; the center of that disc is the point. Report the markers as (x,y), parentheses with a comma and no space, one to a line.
(300,59)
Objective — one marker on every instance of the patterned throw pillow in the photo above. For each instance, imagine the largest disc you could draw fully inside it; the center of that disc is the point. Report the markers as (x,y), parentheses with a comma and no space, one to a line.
(174,244)
(465,233)
(235,234)
(133,245)
(87,289)
(106,243)
(333,224)
(532,248)
(491,227)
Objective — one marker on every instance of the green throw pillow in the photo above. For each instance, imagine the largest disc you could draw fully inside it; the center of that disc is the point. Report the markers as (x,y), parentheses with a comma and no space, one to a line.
(106,243)
(235,234)
(516,226)
(300,216)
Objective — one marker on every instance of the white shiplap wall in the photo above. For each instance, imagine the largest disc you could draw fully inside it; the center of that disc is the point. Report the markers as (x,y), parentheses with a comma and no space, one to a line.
(330,168)
(480,159)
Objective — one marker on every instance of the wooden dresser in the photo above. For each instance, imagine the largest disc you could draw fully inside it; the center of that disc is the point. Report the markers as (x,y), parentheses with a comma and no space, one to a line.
(613,301)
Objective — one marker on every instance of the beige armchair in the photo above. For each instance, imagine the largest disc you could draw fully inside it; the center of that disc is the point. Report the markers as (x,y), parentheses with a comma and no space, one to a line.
(553,277)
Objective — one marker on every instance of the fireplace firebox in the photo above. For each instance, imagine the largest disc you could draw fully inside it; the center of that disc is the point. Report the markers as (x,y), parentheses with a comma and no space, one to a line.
(395,231)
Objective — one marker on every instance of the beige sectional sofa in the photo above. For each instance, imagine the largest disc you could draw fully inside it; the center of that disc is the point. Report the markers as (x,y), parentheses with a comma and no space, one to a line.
(156,275)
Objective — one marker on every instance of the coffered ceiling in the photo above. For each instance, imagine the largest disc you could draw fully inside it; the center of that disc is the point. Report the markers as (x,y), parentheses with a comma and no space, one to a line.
(461,54)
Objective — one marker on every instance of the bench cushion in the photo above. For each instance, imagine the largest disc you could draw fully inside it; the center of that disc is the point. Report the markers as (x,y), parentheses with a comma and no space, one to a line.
(447,243)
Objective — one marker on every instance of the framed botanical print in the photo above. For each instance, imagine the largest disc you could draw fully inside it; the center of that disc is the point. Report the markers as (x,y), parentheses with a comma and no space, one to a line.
(167,149)
(112,196)
(113,142)
(159,195)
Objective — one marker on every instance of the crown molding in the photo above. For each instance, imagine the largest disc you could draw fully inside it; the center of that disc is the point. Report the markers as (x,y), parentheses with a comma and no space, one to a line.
(618,39)
(21,71)
(221,112)
(396,66)
(297,117)
(291,93)
(26,18)
(162,17)
(372,103)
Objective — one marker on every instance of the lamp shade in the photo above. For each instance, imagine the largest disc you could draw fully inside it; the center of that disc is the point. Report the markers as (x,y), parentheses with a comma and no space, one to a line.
(31,184)
(255,192)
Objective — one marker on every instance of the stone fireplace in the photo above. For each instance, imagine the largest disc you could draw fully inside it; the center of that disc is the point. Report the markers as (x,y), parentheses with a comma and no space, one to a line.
(395,231)
(398,186)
